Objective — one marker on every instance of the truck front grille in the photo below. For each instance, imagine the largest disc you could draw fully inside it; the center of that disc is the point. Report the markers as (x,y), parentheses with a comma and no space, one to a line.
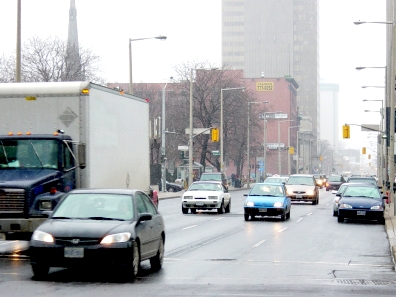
(12,201)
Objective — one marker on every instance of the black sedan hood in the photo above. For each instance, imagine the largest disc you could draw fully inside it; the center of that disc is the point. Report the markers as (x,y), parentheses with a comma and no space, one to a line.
(360,202)
(83,228)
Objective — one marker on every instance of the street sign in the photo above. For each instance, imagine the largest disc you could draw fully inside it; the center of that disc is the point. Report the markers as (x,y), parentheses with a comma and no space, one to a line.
(182,148)
(273,116)
(215,153)
(197,131)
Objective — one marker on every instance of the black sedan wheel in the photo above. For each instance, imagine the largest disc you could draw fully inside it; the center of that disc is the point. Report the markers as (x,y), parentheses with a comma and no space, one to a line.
(340,219)
(156,261)
(136,260)
(40,271)
(184,210)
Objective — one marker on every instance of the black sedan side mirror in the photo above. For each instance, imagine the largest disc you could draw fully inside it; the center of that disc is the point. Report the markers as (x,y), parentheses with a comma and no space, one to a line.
(245,194)
(145,217)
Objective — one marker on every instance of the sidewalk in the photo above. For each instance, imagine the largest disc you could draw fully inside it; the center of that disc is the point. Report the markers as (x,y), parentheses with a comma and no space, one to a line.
(390,218)
(390,228)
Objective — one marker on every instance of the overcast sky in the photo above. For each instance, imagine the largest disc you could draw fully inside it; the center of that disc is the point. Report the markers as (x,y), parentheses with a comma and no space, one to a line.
(193,29)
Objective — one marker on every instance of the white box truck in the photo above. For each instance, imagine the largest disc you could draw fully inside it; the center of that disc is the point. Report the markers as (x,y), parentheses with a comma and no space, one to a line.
(58,136)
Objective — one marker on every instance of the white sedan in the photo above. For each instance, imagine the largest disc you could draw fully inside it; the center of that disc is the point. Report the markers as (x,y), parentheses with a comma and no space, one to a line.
(206,195)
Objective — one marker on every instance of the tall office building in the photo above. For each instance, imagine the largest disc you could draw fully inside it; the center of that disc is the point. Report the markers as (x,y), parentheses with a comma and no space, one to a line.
(275,38)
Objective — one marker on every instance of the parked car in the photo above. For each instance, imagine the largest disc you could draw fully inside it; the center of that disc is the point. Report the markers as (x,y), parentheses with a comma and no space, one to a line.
(334,182)
(206,195)
(302,187)
(100,228)
(361,201)
(216,176)
(267,199)
(172,187)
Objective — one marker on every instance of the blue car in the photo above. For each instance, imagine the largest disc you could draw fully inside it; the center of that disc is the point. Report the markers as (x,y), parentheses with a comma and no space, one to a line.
(267,200)
(361,201)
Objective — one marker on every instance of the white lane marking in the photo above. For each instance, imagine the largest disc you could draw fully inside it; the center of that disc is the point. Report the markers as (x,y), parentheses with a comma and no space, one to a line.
(242,212)
(281,230)
(189,227)
(299,220)
(309,214)
(259,243)
(174,211)
(218,219)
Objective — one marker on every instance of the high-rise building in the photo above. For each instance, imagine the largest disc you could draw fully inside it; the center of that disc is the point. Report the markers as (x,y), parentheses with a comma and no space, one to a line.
(275,38)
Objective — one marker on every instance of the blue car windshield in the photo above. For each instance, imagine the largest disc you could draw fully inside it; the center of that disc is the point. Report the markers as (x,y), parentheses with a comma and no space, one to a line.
(266,190)
(362,192)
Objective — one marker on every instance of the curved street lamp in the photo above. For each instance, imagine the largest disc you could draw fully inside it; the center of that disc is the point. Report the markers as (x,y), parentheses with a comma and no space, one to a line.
(130,57)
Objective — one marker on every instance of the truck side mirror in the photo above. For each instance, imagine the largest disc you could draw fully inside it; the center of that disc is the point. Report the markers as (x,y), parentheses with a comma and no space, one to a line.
(81,149)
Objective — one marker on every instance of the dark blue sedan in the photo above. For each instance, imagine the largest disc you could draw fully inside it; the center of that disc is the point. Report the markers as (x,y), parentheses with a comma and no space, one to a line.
(361,201)
(267,200)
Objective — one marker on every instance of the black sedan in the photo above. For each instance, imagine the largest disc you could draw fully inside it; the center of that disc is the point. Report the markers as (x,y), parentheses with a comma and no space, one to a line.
(172,187)
(361,201)
(334,182)
(100,228)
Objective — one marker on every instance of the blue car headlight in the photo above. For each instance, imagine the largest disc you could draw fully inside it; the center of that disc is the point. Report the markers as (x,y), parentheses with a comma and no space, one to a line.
(377,207)
(278,204)
(345,206)
(250,203)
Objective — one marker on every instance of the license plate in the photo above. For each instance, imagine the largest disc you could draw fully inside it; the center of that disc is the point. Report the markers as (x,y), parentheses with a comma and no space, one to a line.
(2,236)
(299,196)
(199,203)
(262,210)
(361,213)
(71,252)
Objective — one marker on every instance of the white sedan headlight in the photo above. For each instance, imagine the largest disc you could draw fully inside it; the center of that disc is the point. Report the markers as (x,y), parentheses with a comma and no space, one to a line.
(289,191)
(250,203)
(42,236)
(345,206)
(278,204)
(377,207)
(188,197)
(310,192)
(113,238)
(213,197)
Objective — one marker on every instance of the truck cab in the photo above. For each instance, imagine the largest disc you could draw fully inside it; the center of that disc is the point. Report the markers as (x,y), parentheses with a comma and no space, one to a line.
(35,172)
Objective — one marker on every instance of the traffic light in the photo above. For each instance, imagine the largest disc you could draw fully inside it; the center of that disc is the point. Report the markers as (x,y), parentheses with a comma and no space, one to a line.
(291,150)
(363,150)
(215,134)
(346,131)
(181,155)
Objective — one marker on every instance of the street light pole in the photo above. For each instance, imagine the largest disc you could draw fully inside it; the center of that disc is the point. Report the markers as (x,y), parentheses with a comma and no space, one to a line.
(279,150)
(288,154)
(130,57)
(163,163)
(190,143)
(248,141)
(221,126)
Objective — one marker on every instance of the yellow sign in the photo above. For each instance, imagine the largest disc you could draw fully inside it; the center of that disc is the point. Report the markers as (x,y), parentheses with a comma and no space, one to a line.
(264,86)
(30,98)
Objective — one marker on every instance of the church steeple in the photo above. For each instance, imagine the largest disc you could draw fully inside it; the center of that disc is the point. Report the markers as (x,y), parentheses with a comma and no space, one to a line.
(73,69)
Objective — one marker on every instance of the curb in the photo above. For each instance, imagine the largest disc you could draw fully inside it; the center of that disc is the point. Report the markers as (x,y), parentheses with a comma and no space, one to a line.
(390,228)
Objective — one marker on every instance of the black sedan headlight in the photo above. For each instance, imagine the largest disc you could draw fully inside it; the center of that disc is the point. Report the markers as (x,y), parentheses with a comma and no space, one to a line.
(42,236)
(116,238)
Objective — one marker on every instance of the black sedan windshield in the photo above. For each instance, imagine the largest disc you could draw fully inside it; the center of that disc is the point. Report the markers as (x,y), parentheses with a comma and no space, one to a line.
(95,206)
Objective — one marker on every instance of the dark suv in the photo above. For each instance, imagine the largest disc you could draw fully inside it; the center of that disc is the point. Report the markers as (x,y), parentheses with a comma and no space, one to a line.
(218,176)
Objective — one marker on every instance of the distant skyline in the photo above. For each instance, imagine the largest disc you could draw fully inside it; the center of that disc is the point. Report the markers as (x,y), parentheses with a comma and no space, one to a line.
(193,29)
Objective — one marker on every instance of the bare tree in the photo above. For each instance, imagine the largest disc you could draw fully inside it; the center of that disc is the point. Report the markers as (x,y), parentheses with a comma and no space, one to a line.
(7,69)
(44,60)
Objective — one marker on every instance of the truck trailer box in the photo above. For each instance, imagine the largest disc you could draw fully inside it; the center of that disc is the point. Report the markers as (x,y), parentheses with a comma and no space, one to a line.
(111,127)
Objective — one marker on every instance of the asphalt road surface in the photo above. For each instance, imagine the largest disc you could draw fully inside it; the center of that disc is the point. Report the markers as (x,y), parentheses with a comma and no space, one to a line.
(207,254)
